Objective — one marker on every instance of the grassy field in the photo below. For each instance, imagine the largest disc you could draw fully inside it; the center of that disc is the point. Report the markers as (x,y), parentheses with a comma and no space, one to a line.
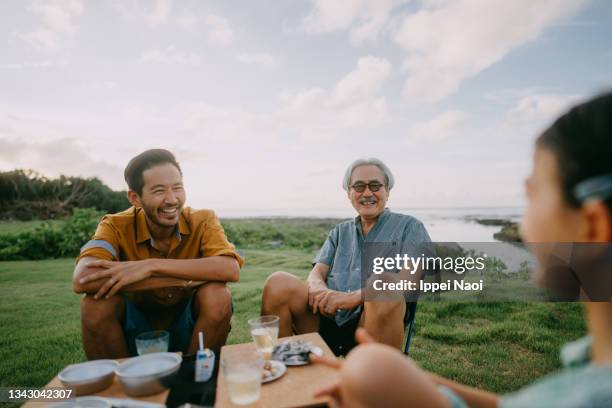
(498,346)
(14,227)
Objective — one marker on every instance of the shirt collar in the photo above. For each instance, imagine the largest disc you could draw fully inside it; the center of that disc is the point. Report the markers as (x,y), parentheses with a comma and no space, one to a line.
(142,230)
(381,218)
(183,225)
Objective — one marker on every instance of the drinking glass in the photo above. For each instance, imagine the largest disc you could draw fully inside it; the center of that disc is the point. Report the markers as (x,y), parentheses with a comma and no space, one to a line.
(264,330)
(152,342)
(242,374)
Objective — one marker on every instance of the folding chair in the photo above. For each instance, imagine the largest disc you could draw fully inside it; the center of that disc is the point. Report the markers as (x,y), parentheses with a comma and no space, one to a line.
(411,313)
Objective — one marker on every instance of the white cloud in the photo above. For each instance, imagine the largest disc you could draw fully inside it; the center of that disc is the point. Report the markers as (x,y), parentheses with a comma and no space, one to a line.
(364,81)
(45,39)
(541,107)
(103,85)
(34,64)
(263,59)
(445,41)
(310,115)
(59,20)
(58,16)
(66,156)
(154,14)
(160,13)
(365,19)
(187,20)
(441,126)
(220,32)
(171,55)
(448,42)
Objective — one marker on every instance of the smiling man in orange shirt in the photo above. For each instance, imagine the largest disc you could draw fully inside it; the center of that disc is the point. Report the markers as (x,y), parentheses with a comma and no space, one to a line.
(157,265)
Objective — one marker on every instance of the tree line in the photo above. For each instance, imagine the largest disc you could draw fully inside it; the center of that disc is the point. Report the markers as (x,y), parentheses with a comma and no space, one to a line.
(27,195)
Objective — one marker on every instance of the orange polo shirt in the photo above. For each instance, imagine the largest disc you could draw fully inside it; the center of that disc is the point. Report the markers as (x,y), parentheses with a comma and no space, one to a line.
(125,237)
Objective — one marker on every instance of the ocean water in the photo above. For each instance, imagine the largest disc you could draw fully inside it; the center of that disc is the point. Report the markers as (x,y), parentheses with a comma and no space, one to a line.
(443,224)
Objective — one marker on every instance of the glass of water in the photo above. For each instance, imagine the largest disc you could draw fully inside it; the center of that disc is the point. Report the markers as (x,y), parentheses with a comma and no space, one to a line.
(152,342)
(264,330)
(242,374)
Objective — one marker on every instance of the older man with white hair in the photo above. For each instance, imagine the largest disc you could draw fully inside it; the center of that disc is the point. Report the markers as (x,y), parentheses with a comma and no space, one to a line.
(331,301)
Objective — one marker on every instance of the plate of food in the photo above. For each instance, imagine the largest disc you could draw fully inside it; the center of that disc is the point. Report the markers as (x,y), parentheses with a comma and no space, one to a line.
(272,370)
(295,352)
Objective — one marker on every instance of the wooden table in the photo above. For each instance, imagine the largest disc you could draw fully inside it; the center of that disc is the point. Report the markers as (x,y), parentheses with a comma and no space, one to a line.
(294,389)
(114,391)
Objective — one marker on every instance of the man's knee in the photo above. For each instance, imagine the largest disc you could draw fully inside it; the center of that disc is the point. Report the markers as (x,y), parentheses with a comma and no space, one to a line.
(281,286)
(97,313)
(213,301)
(384,311)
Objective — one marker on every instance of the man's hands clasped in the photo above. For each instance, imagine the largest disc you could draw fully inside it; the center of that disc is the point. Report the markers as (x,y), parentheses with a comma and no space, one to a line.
(327,302)
(117,275)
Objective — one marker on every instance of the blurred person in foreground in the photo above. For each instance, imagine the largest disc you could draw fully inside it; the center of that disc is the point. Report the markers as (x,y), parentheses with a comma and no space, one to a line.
(157,266)
(569,201)
(331,301)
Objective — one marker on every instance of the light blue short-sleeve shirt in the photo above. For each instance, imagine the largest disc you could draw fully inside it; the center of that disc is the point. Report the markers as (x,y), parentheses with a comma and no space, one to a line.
(343,248)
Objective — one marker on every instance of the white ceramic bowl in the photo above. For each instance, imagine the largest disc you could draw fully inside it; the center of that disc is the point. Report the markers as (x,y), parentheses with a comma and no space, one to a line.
(148,374)
(89,377)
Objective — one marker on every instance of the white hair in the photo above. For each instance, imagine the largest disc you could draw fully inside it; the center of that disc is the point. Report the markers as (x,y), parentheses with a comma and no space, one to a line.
(389,179)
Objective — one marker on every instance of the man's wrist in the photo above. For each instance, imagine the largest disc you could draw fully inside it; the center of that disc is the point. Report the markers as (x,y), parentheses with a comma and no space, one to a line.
(317,282)
(352,300)
(154,267)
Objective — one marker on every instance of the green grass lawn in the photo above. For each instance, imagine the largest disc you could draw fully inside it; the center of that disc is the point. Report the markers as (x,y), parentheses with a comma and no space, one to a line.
(15,227)
(497,346)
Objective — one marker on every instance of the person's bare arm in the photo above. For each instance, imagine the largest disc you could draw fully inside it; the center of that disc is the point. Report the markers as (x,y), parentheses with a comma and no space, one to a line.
(320,296)
(318,276)
(92,275)
(474,397)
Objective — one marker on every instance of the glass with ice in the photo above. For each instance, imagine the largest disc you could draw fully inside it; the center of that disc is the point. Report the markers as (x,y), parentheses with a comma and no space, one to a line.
(242,374)
(152,342)
(264,330)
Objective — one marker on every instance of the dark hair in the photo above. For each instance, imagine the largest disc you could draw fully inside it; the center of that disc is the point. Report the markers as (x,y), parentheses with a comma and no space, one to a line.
(144,161)
(581,139)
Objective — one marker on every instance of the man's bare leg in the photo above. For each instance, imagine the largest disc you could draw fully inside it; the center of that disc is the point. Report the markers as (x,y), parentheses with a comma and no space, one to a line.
(286,296)
(376,375)
(212,306)
(101,327)
(385,322)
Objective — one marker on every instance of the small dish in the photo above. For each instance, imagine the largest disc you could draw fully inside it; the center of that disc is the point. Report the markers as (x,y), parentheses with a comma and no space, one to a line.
(272,370)
(88,377)
(295,352)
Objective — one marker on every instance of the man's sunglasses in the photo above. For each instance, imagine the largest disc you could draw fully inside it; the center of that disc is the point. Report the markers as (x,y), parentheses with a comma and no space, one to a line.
(360,187)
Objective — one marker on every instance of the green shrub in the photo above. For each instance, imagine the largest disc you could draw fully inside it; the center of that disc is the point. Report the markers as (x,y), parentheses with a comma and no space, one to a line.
(270,233)
(48,241)
(78,230)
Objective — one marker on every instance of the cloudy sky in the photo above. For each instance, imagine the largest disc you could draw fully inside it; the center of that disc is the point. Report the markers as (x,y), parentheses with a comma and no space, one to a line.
(266,103)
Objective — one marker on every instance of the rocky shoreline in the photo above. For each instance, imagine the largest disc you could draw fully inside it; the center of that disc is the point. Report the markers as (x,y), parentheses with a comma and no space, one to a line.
(509,231)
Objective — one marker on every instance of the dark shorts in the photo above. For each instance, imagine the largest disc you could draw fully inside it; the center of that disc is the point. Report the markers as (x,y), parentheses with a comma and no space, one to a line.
(180,331)
(341,339)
